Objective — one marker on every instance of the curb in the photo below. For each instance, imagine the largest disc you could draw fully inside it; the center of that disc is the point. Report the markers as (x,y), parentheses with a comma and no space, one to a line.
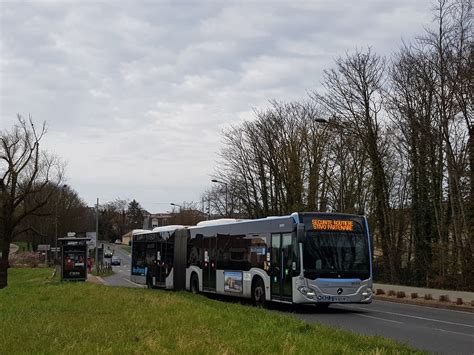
(434,304)
(100,279)
(95,279)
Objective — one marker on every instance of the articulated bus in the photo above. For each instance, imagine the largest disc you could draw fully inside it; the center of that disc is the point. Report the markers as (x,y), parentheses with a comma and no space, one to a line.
(153,256)
(313,258)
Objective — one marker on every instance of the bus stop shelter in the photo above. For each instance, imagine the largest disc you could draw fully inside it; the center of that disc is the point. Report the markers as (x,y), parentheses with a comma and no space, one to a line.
(73,258)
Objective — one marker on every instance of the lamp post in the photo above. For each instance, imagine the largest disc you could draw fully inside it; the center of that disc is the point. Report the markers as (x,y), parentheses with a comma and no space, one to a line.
(223,183)
(56,223)
(96,261)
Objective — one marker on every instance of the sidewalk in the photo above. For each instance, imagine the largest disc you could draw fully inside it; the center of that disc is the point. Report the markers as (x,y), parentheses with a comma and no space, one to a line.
(467,297)
(95,279)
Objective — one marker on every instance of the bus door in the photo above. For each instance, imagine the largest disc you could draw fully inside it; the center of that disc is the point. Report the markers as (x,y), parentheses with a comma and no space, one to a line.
(281,266)
(160,261)
(209,265)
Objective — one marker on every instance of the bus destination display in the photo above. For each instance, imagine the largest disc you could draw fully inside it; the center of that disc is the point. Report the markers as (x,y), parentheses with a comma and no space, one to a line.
(332,225)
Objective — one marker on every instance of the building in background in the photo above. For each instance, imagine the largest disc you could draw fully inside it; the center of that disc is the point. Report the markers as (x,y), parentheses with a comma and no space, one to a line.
(156,220)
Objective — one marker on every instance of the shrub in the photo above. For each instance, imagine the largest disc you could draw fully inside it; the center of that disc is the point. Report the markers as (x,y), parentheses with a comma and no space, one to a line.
(444,298)
(391,293)
(25,259)
(401,294)
(428,296)
(414,295)
(459,301)
(379,291)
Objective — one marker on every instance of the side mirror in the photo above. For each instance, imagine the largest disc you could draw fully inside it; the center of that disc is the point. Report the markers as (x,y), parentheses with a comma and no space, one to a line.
(300,233)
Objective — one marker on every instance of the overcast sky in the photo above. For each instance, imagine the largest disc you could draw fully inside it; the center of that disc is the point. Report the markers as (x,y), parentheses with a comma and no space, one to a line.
(136,93)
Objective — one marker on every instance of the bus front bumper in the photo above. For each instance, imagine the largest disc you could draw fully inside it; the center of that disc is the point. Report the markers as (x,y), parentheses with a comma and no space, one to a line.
(318,292)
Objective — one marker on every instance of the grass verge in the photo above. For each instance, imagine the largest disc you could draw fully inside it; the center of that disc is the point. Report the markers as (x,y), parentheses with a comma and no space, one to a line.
(42,316)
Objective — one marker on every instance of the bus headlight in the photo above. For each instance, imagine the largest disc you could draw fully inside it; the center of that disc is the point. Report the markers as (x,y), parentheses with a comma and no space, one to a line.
(306,291)
(367,293)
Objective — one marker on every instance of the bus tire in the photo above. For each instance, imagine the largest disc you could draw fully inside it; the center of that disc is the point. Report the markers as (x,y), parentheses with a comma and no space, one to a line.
(194,284)
(258,292)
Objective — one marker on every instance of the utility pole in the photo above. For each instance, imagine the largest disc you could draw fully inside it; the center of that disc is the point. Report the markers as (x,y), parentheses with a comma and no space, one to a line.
(97,235)
(56,223)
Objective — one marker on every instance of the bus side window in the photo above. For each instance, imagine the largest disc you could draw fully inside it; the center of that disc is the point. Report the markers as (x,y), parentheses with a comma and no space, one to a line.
(318,264)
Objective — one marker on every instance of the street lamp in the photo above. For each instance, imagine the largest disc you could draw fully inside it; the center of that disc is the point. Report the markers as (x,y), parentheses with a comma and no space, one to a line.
(56,223)
(321,120)
(223,183)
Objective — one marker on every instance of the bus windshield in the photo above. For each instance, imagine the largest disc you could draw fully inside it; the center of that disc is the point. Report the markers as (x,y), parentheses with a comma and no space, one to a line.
(329,254)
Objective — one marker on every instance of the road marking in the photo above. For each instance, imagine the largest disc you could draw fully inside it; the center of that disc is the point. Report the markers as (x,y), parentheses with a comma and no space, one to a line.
(416,317)
(427,306)
(386,320)
(142,286)
(450,331)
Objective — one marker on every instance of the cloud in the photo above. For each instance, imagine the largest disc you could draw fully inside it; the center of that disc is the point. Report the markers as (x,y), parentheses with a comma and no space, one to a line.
(136,94)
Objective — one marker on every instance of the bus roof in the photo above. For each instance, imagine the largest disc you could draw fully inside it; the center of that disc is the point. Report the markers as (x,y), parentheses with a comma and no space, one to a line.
(169,228)
(281,224)
(140,231)
(217,222)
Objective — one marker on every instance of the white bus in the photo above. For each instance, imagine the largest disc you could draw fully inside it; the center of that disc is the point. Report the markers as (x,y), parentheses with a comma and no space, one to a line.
(319,258)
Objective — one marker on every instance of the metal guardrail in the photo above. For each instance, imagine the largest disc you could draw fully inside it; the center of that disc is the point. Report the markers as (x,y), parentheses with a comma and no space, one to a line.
(104,269)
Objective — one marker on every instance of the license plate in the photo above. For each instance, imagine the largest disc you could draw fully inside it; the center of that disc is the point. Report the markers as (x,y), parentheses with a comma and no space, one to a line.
(325,298)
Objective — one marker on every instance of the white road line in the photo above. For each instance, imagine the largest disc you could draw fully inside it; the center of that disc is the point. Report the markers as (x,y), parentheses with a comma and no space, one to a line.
(450,331)
(416,317)
(386,320)
(427,306)
(134,283)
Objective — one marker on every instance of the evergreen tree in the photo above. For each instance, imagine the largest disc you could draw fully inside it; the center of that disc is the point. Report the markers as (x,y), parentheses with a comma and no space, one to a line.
(135,215)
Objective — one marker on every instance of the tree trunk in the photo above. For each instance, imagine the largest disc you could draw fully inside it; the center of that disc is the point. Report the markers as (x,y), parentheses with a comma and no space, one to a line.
(4,265)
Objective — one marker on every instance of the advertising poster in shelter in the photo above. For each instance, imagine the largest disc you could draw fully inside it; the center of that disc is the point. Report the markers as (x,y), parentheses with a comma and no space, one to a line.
(74,257)
(233,281)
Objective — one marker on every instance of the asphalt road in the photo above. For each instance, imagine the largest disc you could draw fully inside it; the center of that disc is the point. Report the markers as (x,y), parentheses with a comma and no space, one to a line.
(121,276)
(432,329)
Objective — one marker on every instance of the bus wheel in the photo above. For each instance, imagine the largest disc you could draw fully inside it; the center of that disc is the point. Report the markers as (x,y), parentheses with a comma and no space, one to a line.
(258,293)
(194,284)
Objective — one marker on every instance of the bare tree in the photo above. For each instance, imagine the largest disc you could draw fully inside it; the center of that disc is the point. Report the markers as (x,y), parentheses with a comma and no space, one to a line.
(412,100)
(449,50)
(113,220)
(354,96)
(25,171)
(189,214)
(396,149)
(64,212)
